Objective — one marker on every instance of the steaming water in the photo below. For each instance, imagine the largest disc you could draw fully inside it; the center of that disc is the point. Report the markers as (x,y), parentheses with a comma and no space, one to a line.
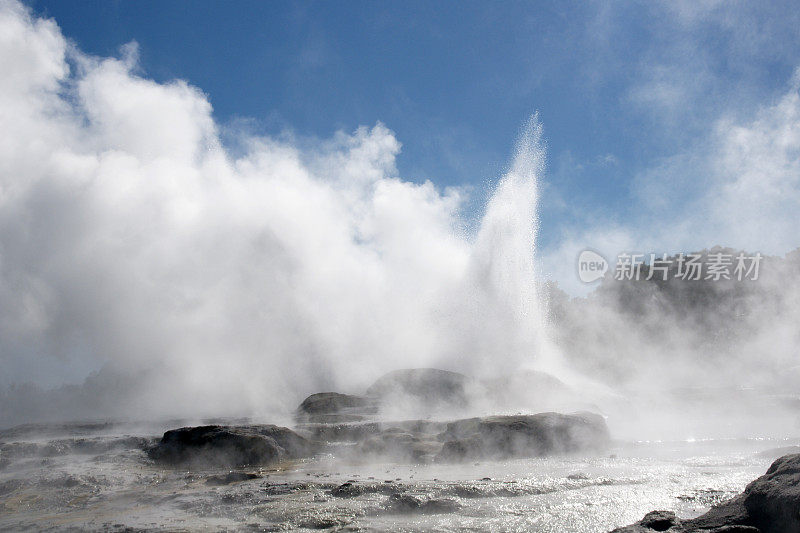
(98,478)
(502,278)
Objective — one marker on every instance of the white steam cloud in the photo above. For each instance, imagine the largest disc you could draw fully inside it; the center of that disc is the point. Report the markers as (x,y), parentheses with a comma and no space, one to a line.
(186,280)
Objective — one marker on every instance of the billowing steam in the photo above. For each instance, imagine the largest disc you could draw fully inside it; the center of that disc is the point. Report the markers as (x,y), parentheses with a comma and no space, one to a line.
(182,279)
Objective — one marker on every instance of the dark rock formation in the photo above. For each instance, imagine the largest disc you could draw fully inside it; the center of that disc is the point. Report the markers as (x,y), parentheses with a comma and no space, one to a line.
(352,489)
(407,503)
(231,477)
(416,441)
(659,520)
(424,441)
(770,504)
(60,447)
(773,500)
(334,407)
(425,384)
(522,436)
(229,446)
(348,490)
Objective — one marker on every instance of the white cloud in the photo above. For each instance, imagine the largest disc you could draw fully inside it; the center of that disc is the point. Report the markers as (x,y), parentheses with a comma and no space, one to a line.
(739,187)
(754,195)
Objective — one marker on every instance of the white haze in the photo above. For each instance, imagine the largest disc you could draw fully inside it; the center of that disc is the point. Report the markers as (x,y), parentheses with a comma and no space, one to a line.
(184,280)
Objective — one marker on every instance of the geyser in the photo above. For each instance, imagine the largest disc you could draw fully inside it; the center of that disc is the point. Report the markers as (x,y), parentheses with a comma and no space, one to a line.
(184,280)
(341,352)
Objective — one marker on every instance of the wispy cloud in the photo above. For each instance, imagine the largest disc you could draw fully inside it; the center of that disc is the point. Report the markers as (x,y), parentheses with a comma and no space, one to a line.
(738,187)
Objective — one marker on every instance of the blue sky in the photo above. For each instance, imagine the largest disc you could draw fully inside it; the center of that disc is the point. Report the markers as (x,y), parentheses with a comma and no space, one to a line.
(631,94)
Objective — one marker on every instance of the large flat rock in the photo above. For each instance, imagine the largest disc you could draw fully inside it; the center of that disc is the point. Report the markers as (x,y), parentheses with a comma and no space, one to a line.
(229,446)
(335,407)
(523,436)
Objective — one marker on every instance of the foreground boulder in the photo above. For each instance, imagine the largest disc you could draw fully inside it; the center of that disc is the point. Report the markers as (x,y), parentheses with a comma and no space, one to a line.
(523,436)
(334,407)
(229,446)
(770,504)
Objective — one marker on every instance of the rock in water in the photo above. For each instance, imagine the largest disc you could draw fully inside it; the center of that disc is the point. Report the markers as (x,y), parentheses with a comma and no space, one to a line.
(334,407)
(773,500)
(409,504)
(523,436)
(770,504)
(229,446)
(231,477)
(659,520)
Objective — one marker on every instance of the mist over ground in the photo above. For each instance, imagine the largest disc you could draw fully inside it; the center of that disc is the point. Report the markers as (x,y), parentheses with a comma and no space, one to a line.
(154,264)
(693,358)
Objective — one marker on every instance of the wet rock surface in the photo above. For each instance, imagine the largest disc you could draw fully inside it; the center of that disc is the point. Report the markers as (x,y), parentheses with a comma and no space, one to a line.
(79,445)
(408,441)
(409,503)
(413,441)
(353,427)
(523,436)
(769,504)
(336,419)
(332,407)
(231,477)
(229,446)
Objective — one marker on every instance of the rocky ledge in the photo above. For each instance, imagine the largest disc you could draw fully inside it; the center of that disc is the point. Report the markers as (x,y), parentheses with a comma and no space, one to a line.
(417,441)
(523,436)
(431,403)
(770,504)
(435,393)
(230,446)
(327,407)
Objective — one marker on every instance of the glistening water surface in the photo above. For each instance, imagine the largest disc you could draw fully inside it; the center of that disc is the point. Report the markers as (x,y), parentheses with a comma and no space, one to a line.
(98,478)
